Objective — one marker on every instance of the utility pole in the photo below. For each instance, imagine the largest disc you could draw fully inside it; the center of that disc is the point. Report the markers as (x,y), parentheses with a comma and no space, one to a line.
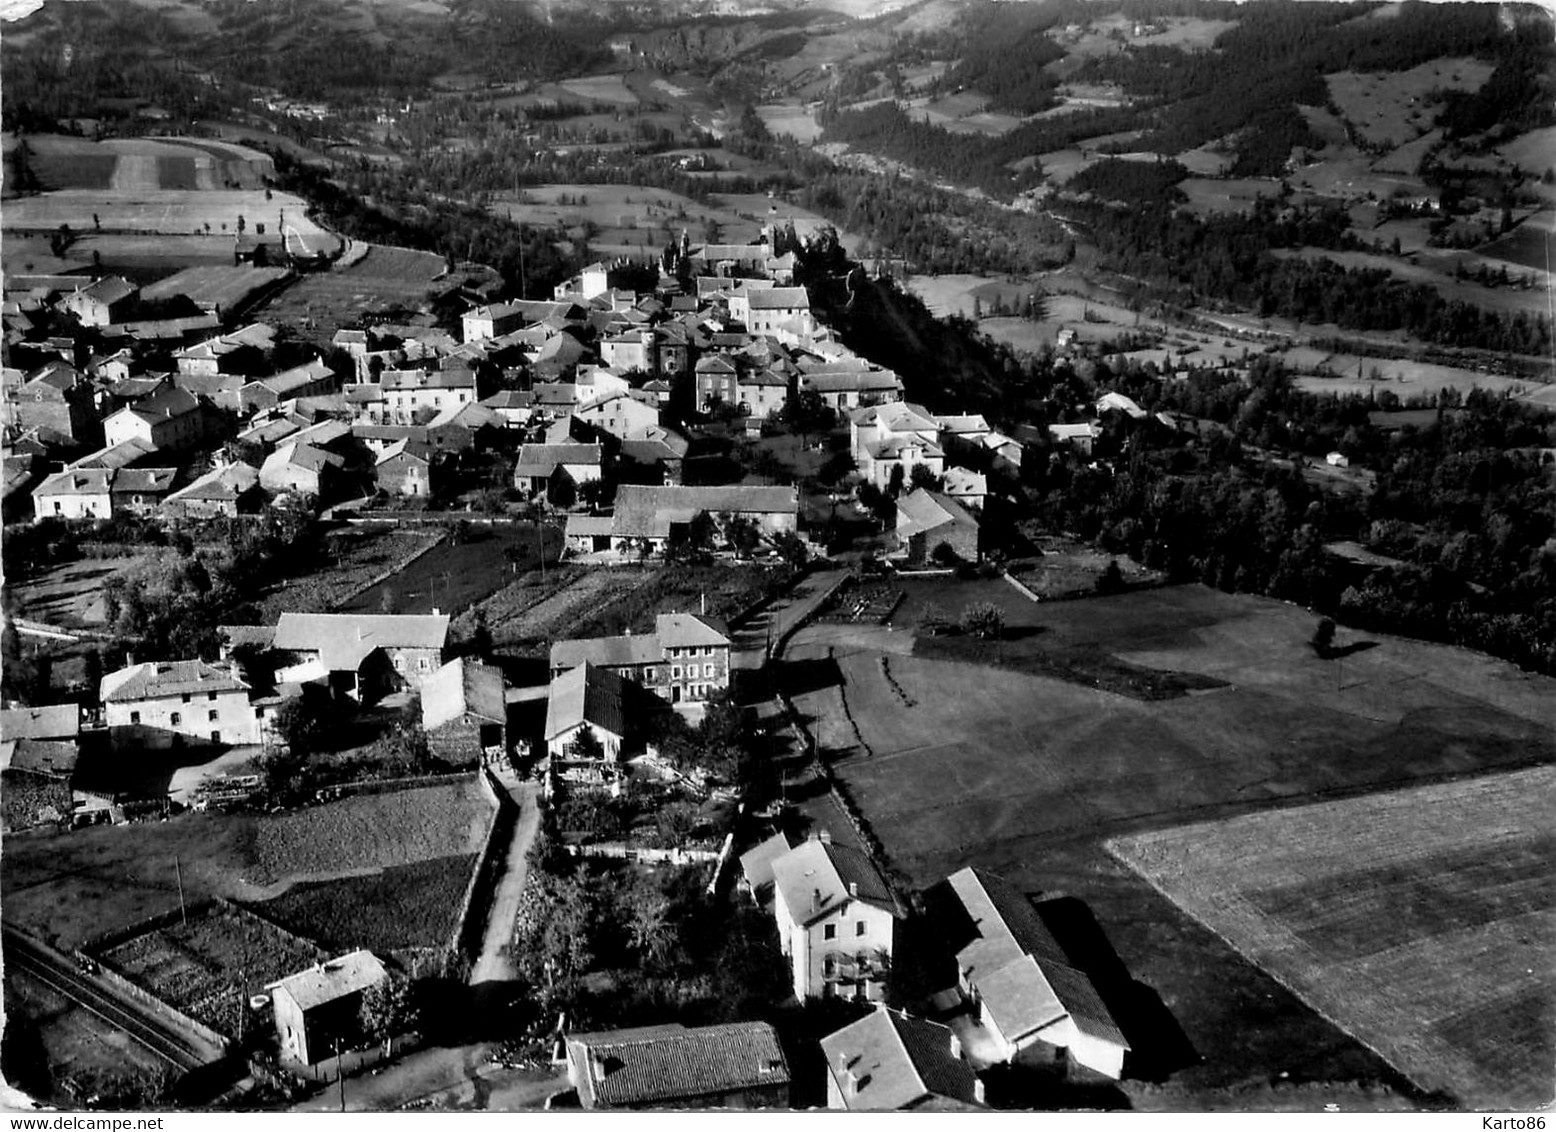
(340,1075)
(178,872)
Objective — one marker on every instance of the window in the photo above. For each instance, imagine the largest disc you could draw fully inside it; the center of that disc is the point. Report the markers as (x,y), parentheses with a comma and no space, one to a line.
(213,715)
(211,696)
(175,719)
(134,717)
(424,664)
(399,664)
(829,931)
(859,928)
(675,672)
(186,697)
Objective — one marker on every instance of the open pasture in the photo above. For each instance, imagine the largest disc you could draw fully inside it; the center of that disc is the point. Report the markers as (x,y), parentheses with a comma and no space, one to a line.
(1529,244)
(1186,32)
(1509,299)
(69,887)
(1347,175)
(1534,152)
(1350,373)
(600,88)
(1419,920)
(64,161)
(791,119)
(208,967)
(1392,107)
(385,279)
(163,211)
(71,594)
(1210,195)
(960,763)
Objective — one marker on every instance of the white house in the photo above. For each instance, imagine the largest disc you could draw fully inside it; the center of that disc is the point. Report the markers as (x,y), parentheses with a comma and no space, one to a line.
(170,703)
(783,312)
(895,435)
(1024,994)
(892,1061)
(622,415)
(411,391)
(837,920)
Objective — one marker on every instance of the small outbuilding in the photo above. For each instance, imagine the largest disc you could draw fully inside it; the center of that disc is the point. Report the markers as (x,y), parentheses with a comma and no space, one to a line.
(316,1008)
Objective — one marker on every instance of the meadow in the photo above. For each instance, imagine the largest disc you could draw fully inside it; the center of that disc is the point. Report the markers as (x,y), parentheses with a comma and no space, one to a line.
(1506,299)
(1418,920)
(1015,759)
(791,119)
(385,280)
(161,211)
(67,888)
(1390,108)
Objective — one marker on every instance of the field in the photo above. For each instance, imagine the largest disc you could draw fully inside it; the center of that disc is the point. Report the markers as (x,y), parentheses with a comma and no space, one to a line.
(71,594)
(1528,245)
(143,164)
(1534,151)
(792,119)
(1225,195)
(1404,378)
(1391,108)
(69,887)
(146,259)
(1506,299)
(963,113)
(355,557)
(1418,920)
(209,966)
(454,575)
(1003,764)
(601,88)
(162,211)
(402,907)
(384,280)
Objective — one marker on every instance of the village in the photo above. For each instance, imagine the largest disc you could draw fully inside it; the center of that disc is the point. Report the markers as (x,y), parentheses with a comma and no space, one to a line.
(582,416)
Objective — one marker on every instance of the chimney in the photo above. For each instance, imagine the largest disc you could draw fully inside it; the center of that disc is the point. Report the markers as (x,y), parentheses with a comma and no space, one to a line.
(815,899)
(853,888)
(826,837)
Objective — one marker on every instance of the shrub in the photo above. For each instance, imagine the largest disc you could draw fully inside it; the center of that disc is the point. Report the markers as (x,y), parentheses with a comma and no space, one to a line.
(983,619)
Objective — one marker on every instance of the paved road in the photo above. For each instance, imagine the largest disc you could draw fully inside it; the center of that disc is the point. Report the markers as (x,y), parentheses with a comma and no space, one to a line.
(493,965)
(182,1050)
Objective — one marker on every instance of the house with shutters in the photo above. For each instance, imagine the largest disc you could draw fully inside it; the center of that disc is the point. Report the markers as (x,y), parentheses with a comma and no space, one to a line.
(837,920)
(884,438)
(684,660)
(409,468)
(360,656)
(762,393)
(734,1065)
(464,712)
(163,704)
(889,1061)
(1024,998)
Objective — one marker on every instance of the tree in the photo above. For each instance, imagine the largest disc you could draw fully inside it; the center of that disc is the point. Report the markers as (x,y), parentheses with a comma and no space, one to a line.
(945,554)
(923,476)
(388,1008)
(983,619)
(1323,636)
(791,548)
(675,822)
(894,482)
(933,622)
(646,917)
(561,491)
(586,746)
(1111,580)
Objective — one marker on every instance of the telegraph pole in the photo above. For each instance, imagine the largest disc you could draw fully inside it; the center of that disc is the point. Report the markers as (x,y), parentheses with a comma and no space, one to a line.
(183,911)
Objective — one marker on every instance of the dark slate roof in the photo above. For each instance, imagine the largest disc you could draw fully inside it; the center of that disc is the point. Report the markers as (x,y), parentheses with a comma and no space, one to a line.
(663,1064)
(586,694)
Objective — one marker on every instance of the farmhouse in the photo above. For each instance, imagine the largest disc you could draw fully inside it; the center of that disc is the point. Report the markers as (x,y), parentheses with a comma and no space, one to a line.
(649,513)
(170,703)
(586,698)
(889,1061)
(169,419)
(836,919)
(85,493)
(408,392)
(492,321)
(783,312)
(301,468)
(408,468)
(307,380)
(539,464)
(1080,436)
(927,520)
(844,387)
(967,487)
(54,398)
(1022,992)
(622,415)
(684,660)
(103,303)
(885,438)
(738,1065)
(716,382)
(762,393)
(316,1010)
(360,655)
(230,491)
(222,290)
(464,712)
(39,748)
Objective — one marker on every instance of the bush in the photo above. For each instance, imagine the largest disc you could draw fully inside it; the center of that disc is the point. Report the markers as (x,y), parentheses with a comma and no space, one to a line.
(1323,636)
(983,619)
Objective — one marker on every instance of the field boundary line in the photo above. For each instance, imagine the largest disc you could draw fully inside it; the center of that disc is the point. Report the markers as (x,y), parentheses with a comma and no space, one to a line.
(1110,846)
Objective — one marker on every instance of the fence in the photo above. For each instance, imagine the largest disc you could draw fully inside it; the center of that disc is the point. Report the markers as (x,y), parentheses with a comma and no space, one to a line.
(388,785)
(643,854)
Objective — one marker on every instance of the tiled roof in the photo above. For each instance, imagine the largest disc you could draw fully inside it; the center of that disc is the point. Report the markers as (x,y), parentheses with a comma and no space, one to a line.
(295,378)
(325,982)
(850,380)
(814,879)
(343,640)
(154,680)
(663,1064)
(537,460)
(53,757)
(887,1061)
(462,686)
(924,510)
(607,652)
(586,694)
(406,379)
(780,298)
(647,511)
(227,483)
(690,630)
(756,863)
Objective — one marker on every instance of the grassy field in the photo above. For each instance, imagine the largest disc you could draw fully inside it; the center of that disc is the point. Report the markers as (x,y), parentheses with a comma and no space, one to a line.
(454,575)
(601,88)
(1506,299)
(791,119)
(401,907)
(384,280)
(1419,920)
(63,161)
(1338,373)
(1534,151)
(209,966)
(1391,108)
(355,556)
(1528,245)
(69,887)
(71,594)
(982,763)
(1210,195)
(164,211)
